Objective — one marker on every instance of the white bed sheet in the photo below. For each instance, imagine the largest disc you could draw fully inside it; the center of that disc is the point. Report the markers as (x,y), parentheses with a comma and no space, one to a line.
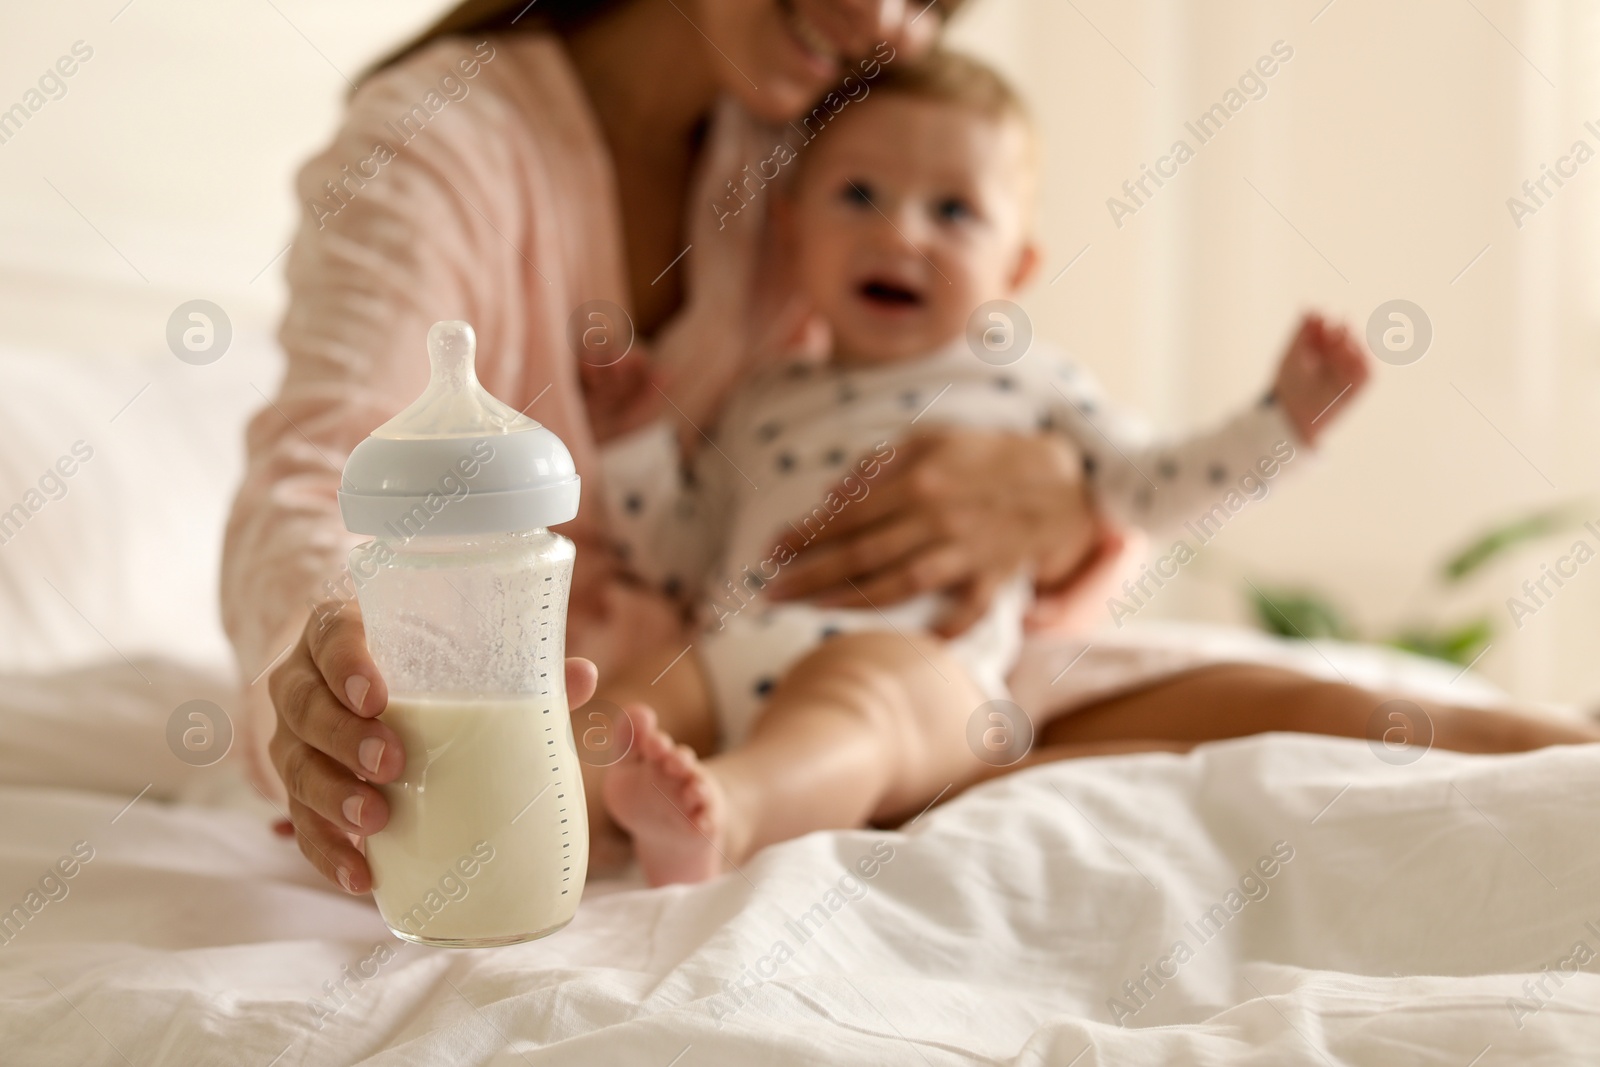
(1418,902)
(123,561)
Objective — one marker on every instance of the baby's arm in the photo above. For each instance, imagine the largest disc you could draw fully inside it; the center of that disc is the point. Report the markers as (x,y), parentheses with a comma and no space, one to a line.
(1160,486)
(1324,368)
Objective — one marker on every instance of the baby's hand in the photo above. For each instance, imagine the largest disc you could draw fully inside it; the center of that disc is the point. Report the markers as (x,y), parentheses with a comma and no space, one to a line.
(1323,370)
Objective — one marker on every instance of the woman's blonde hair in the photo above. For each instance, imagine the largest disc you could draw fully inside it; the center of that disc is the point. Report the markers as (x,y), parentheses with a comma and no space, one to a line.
(476,17)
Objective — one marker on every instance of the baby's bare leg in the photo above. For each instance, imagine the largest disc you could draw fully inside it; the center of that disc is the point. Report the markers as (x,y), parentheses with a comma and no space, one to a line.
(868,727)
(672,685)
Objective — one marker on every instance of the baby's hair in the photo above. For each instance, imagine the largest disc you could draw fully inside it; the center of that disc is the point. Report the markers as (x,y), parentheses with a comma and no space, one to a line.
(947,77)
(951,79)
(958,80)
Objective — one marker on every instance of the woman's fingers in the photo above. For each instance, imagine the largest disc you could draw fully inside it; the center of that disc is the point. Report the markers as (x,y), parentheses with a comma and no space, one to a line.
(881,502)
(582,678)
(956,509)
(329,850)
(326,695)
(892,491)
(323,749)
(828,569)
(935,568)
(325,787)
(339,650)
(308,708)
(902,481)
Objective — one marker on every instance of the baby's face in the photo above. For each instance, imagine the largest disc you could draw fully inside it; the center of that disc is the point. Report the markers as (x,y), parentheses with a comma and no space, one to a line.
(908,214)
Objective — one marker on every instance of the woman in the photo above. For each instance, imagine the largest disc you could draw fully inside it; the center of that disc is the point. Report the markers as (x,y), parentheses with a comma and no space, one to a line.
(509,172)
(557,170)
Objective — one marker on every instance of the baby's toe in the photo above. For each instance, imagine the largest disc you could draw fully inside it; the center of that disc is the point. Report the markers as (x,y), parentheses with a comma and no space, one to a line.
(683,762)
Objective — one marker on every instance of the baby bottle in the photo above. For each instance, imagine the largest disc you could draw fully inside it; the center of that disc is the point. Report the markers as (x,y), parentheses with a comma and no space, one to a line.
(464,595)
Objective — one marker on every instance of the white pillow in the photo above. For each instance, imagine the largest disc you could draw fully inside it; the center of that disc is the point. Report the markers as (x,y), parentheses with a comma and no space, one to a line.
(116,474)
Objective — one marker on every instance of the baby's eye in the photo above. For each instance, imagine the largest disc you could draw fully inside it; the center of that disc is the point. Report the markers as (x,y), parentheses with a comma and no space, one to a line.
(857,193)
(953,209)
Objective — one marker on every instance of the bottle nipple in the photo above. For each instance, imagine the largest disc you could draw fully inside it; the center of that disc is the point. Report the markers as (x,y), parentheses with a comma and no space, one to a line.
(496,469)
(452,351)
(454,404)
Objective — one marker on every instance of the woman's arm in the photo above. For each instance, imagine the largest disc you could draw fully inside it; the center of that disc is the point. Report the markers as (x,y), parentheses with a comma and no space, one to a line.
(741,308)
(667,503)
(465,218)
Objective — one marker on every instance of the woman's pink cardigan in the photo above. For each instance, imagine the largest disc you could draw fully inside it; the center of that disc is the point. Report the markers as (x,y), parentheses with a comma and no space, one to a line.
(468,182)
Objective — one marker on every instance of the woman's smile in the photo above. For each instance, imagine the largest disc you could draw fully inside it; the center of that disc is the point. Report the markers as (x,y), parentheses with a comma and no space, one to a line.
(820,54)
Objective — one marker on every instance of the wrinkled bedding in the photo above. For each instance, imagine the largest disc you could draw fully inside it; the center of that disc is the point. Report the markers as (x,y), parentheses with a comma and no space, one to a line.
(1276,900)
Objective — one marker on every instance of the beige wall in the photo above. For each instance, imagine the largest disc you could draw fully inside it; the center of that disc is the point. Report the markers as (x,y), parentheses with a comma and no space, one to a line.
(1391,140)
(176,141)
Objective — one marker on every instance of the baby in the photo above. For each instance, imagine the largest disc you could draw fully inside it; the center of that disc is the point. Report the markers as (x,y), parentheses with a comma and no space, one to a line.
(909,212)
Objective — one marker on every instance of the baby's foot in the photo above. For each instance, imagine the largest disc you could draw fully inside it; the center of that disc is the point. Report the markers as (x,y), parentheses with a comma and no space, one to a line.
(669,802)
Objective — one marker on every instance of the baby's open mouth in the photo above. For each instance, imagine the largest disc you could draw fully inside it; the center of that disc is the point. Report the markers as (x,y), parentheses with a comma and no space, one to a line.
(889,294)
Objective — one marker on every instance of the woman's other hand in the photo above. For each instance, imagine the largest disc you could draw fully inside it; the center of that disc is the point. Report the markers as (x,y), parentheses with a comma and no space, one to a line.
(331,747)
(958,510)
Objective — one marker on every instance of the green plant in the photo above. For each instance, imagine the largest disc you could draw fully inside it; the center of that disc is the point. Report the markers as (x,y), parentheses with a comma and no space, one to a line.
(1301,613)
(1498,540)
(1456,644)
(1307,613)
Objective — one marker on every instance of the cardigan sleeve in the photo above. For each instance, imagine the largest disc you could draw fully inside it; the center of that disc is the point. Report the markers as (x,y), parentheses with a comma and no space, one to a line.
(446,194)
